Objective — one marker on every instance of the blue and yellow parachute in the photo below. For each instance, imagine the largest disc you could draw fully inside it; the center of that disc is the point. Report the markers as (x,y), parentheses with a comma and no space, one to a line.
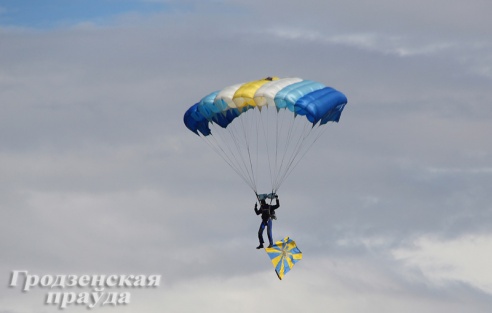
(264,127)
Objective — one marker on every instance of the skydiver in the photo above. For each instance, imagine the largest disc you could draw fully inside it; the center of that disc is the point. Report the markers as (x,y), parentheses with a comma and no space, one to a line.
(267,212)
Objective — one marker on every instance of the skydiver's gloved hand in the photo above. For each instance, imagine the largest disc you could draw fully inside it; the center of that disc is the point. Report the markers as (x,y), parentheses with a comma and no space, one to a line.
(256,205)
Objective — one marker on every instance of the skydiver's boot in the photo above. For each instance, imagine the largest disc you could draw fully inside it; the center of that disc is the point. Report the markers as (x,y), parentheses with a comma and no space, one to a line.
(269,246)
(260,246)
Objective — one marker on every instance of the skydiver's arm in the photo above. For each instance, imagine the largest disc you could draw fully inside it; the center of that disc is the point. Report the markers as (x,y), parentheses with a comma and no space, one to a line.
(277,205)
(258,212)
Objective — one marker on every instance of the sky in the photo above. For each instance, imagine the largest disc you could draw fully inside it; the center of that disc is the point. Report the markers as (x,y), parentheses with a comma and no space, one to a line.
(391,207)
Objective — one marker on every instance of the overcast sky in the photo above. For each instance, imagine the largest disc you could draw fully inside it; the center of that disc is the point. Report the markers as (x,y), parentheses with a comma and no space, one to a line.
(99,176)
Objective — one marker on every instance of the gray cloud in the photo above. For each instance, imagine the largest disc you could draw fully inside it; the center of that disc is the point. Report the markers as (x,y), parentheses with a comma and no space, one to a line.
(99,175)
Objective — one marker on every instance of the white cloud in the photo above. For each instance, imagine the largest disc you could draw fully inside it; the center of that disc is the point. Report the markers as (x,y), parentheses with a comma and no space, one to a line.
(443,261)
(376,42)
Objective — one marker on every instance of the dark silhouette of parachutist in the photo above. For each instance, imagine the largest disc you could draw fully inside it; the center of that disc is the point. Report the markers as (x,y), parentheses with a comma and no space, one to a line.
(267,212)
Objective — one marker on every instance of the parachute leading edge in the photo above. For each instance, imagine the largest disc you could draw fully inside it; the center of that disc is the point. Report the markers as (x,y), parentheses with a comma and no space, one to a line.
(303,97)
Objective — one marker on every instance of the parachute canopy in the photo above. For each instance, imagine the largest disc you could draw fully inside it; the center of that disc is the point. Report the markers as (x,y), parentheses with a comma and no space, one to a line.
(264,127)
(284,254)
(302,97)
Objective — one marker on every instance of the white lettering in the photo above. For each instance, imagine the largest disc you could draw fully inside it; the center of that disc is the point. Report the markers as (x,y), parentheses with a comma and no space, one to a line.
(59,281)
(96,296)
(139,281)
(53,298)
(84,281)
(31,281)
(112,280)
(125,281)
(154,280)
(124,298)
(98,280)
(111,298)
(46,280)
(72,280)
(67,298)
(13,279)
(83,298)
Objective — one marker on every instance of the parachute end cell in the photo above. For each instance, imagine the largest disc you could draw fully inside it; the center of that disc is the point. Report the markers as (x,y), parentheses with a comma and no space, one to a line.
(195,121)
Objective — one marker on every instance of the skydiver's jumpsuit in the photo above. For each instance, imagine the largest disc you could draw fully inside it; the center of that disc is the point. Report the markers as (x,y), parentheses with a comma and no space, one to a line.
(266,212)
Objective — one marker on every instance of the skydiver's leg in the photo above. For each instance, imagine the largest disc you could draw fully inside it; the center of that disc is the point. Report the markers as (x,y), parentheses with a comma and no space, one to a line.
(260,232)
(269,231)
(260,235)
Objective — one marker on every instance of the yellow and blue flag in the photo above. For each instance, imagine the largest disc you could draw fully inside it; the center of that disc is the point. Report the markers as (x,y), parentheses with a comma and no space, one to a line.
(284,254)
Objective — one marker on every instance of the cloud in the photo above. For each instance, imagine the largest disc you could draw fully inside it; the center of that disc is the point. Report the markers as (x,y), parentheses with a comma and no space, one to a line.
(98,174)
(381,43)
(444,261)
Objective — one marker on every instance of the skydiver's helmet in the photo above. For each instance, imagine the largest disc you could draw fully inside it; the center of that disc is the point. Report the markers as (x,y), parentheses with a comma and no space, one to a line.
(262,202)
